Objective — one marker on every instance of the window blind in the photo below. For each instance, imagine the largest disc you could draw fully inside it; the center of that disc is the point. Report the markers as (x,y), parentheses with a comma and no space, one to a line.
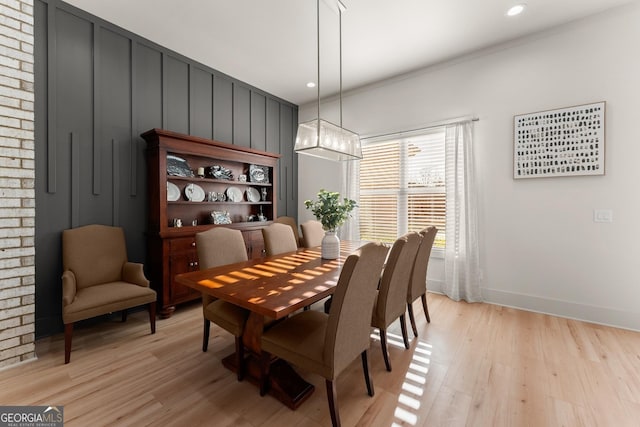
(402,186)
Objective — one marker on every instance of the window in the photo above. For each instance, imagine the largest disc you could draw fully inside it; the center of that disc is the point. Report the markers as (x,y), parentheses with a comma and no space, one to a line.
(402,186)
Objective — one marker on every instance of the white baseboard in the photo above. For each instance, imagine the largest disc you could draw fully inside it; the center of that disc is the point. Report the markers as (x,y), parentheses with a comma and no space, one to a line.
(588,313)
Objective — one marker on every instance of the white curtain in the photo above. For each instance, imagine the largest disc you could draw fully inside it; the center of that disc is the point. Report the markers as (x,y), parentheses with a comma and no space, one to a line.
(350,188)
(462,266)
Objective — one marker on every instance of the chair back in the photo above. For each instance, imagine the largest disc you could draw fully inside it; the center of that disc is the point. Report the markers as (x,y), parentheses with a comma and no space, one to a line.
(94,253)
(291,222)
(312,233)
(278,239)
(220,246)
(418,284)
(394,284)
(349,323)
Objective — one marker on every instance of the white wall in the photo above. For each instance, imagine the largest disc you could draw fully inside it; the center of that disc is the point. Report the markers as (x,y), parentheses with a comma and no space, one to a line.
(540,249)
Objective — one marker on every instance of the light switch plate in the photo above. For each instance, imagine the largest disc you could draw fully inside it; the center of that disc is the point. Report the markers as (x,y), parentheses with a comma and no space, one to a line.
(602,215)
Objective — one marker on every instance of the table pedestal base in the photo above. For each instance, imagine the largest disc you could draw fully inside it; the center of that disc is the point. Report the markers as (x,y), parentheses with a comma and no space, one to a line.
(285,383)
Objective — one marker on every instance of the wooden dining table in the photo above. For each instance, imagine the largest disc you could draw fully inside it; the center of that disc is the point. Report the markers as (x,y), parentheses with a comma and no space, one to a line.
(272,288)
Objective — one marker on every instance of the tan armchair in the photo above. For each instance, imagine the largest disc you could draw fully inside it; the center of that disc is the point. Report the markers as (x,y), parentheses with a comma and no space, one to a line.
(392,295)
(278,239)
(327,344)
(98,279)
(221,246)
(418,286)
(312,233)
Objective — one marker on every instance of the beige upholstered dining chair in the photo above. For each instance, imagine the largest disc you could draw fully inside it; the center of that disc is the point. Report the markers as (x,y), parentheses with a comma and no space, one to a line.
(291,222)
(278,239)
(418,286)
(221,246)
(392,294)
(327,344)
(97,278)
(312,233)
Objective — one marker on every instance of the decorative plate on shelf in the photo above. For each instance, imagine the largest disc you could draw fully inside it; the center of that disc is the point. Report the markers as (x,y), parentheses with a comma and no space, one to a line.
(234,194)
(259,174)
(219,172)
(194,193)
(253,195)
(177,166)
(173,192)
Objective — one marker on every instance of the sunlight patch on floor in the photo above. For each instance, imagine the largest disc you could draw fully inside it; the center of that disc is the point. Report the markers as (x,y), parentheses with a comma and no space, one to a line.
(413,386)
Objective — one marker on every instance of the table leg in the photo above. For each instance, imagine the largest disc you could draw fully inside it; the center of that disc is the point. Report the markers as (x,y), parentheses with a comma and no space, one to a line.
(285,383)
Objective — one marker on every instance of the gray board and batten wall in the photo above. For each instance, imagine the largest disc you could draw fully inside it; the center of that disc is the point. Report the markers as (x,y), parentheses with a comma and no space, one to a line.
(97,88)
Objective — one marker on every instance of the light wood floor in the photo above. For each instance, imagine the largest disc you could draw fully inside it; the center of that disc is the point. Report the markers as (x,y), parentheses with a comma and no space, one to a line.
(474,365)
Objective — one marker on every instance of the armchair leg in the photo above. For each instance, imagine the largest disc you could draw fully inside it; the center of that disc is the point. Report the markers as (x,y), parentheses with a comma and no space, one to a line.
(68,331)
(405,336)
(383,345)
(412,319)
(205,335)
(333,403)
(152,316)
(365,368)
(424,305)
(124,315)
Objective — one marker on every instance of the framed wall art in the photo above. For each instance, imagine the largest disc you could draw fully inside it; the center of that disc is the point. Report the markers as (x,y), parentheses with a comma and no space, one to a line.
(564,142)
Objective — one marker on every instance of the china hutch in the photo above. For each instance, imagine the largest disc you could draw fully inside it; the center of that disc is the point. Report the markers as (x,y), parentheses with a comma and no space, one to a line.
(196,184)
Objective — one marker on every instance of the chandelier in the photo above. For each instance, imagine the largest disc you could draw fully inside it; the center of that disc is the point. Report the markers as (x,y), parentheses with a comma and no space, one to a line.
(319,137)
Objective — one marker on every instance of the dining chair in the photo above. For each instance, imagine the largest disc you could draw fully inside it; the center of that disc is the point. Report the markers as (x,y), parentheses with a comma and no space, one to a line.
(291,222)
(312,233)
(215,247)
(418,285)
(392,293)
(278,239)
(98,279)
(326,344)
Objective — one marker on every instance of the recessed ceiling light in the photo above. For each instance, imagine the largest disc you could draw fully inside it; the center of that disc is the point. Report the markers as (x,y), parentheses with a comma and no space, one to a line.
(311,84)
(516,10)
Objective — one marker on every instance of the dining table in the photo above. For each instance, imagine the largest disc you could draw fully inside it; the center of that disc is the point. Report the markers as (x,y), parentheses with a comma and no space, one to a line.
(272,288)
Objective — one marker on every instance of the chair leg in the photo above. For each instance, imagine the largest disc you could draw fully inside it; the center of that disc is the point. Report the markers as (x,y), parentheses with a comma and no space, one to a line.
(240,358)
(327,304)
(124,315)
(383,345)
(333,403)
(424,305)
(205,335)
(365,368)
(265,364)
(152,317)
(68,331)
(405,337)
(412,319)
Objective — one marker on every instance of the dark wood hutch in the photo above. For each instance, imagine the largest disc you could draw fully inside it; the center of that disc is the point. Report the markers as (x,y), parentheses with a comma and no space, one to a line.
(171,248)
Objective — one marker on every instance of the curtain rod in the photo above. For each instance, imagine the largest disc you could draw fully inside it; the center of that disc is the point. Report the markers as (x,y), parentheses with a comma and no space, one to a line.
(427,127)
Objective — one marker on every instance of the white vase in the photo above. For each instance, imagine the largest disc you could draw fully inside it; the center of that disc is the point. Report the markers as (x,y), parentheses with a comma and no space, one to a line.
(330,245)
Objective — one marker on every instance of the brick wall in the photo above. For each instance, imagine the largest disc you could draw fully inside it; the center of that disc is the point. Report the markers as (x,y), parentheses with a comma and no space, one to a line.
(17,181)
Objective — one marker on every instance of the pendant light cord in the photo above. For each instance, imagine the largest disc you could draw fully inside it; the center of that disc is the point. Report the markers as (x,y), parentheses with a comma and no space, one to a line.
(318,45)
(340,57)
(340,41)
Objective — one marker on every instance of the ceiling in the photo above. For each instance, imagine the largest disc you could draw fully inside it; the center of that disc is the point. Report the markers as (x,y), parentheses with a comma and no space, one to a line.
(272,44)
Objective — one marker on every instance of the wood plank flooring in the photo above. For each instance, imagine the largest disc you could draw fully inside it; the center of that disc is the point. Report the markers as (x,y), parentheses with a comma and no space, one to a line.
(473,365)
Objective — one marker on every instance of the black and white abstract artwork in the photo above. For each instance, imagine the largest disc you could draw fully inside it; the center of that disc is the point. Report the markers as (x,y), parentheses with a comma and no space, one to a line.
(563,142)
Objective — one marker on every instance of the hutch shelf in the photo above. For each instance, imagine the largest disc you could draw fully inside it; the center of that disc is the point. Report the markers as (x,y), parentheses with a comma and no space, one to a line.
(239,186)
